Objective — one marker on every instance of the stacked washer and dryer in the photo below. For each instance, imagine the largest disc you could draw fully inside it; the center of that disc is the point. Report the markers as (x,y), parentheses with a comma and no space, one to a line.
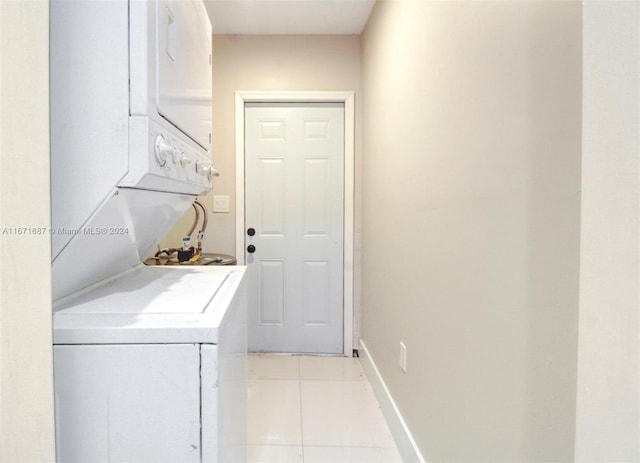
(149,362)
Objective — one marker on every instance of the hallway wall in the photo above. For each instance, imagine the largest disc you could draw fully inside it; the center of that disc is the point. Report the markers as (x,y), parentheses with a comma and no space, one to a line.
(266,63)
(608,401)
(471,215)
(26,358)
(271,63)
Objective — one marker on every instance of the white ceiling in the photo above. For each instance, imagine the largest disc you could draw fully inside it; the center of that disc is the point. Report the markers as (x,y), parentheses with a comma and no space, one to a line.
(288,16)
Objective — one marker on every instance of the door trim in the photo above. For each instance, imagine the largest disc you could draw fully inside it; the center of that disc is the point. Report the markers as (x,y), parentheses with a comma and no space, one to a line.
(348,99)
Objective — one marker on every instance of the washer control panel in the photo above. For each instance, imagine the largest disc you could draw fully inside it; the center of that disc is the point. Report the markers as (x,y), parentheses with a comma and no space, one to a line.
(161,160)
(165,152)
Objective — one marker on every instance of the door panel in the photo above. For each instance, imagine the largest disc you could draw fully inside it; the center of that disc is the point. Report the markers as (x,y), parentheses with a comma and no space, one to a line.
(316,191)
(294,200)
(271,183)
(316,289)
(271,292)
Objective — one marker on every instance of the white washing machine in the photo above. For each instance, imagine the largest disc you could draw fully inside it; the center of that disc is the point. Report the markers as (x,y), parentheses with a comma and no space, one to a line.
(150,366)
(149,362)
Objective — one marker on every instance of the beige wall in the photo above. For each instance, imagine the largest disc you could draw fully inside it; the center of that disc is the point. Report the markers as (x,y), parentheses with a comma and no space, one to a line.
(608,370)
(471,202)
(254,62)
(26,378)
(266,63)
(272,63)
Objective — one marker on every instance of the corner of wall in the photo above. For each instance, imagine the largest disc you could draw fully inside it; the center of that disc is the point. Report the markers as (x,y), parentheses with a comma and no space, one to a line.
(26,383)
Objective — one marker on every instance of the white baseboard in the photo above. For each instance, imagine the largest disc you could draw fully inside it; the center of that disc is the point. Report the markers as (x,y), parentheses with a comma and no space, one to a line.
(399,429)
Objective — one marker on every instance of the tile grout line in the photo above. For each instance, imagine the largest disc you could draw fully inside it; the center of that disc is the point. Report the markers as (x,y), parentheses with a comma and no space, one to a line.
(360,379)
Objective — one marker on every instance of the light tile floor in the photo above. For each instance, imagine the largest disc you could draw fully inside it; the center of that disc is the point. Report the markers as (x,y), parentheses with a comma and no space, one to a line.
(314,409)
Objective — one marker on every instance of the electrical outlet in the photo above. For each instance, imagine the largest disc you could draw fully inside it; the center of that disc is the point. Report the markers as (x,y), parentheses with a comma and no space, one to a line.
(403,357)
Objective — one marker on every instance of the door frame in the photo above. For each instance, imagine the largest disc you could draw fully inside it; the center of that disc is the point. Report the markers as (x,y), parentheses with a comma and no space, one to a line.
(348,99)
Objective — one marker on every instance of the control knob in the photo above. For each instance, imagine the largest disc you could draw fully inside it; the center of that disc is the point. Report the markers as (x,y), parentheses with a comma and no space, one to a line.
(176,156)
(163,150)
(184,160)
(206,169)
(201,168)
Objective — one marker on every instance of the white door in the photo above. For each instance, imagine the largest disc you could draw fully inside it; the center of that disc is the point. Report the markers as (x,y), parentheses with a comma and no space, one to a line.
(294,168)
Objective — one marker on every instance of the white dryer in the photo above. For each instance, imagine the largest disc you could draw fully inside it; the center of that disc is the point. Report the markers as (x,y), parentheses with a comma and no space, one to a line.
(150,363)
(130,130)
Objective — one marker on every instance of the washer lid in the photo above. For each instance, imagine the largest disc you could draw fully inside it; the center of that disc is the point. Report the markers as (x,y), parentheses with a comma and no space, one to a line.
(151,305)
(147,291)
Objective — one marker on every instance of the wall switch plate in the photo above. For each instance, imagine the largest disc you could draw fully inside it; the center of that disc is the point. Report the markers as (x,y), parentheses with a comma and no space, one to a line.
(403,357)
(220,203)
